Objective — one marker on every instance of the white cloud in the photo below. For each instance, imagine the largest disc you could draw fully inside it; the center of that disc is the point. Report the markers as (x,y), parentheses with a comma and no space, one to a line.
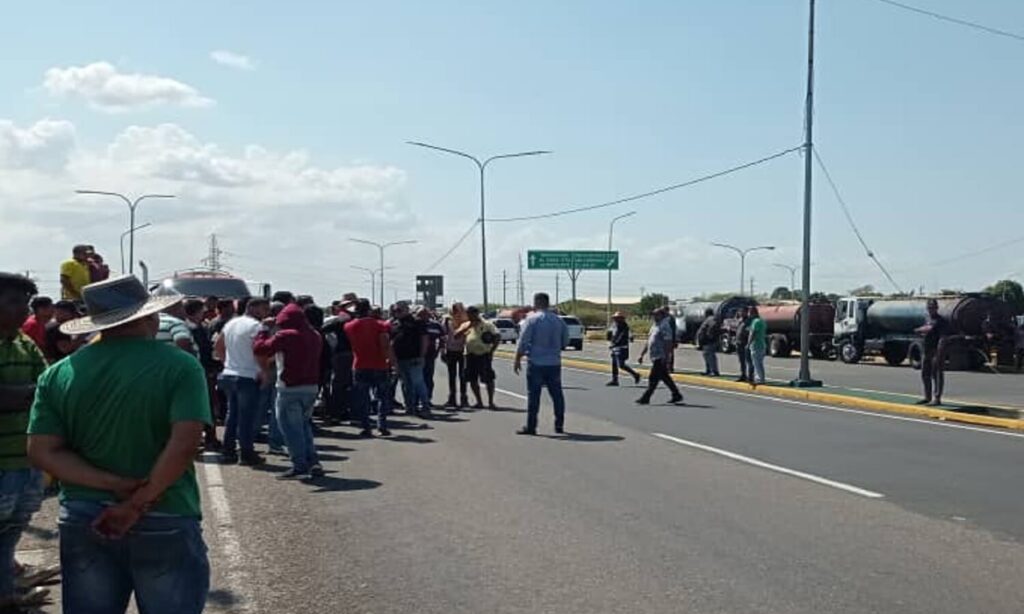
(233,60)
(44,145)
(107,89)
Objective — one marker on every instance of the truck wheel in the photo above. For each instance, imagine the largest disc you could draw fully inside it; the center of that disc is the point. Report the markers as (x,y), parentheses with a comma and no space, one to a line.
(779,347)
(894,354)
(916,355)
(849,353)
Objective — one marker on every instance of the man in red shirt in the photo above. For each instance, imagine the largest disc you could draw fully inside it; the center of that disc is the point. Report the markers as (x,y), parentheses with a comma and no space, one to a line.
(35,325)
(371,366)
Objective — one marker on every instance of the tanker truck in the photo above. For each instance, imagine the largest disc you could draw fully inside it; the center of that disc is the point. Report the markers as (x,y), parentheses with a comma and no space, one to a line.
(980,325)
(690,315)
(783,324)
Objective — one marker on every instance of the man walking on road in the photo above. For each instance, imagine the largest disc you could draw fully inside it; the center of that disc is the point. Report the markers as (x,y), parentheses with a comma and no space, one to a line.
(21,486)
(482,339)
(659,346)
(297,347)
(371,370)
(758,346)
(742,343)
(707,340)
(239,381)
(933,366)
(543,336)
(618,342)
(117,424)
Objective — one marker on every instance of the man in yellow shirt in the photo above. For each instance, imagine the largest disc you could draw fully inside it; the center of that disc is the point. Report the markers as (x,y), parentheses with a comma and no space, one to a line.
(482,339)
(74,273)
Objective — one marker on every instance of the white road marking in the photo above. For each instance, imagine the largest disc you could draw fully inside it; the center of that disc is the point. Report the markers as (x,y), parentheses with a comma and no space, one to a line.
(235,571)
(845,410)
(511,394)
(778,469)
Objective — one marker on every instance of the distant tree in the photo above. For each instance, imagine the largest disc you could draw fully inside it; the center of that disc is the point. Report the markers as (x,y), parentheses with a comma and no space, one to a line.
(782,293)
(867,290)
(950,292)
(650,302)
(1011,292)
(714,296)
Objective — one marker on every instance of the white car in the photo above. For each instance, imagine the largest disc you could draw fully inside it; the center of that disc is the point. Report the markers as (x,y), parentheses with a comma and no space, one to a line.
(507,329)
(576,331)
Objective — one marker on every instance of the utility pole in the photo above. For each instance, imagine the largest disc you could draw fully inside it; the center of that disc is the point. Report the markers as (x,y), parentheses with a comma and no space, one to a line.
(751,286)
(504,288)
(522,289)
(557,301)
(804,380)
(212,260)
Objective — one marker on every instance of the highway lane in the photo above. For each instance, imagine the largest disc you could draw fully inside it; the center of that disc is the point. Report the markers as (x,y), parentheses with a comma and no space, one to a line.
(984,387)
(468,517)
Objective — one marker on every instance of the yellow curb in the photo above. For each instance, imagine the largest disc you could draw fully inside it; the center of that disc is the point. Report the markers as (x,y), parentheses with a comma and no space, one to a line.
(814,396)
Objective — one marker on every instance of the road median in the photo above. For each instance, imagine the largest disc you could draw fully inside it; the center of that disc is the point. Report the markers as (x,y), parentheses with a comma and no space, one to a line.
(967,413)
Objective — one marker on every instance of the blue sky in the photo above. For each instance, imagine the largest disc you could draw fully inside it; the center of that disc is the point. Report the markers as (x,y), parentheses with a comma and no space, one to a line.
(918,120)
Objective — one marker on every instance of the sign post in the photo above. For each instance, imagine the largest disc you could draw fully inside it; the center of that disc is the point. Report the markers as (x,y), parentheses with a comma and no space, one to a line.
(429,288)
(574,262)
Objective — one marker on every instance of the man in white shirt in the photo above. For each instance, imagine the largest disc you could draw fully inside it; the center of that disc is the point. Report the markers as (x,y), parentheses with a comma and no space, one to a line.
(239,383)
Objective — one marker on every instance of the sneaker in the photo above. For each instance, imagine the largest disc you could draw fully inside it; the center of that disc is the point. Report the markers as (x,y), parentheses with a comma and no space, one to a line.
(676,400)
(316,471)
(292,474)
(936,402)
(612,383)
(277,452)
(366,434)
(493,406)
(560,430)
(228,458)
(525,431)
(478,405)
(251,459)
(642,401)
(464,403)
(385,433)
(636,379)
(450,403)
(924,402)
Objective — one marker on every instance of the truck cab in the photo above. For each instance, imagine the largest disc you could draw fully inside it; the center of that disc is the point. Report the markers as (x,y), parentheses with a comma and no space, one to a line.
(850,316)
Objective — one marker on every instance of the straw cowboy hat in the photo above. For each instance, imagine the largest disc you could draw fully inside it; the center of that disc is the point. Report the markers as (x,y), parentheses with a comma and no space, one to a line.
(117,301)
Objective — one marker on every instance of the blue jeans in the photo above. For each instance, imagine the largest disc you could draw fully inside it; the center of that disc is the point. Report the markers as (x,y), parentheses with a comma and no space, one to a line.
(537,377)
(242,420)
(710,353)
(414,387)
(21,493)
(757,363)
(377,382)
(294,411)
(268,416)
(162,560)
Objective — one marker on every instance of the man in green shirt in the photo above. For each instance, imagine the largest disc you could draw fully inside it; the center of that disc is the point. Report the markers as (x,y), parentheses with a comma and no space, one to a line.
(117,423)
(21,487)
(758,345)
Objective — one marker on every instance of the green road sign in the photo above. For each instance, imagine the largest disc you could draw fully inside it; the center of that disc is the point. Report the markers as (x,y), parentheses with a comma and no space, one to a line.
(569,260)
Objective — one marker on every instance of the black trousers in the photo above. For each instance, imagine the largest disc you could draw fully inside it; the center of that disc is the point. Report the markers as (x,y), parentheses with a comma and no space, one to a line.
(456,363)
(339,397)
(933,376)
(746,369)
(619,358)
(659,373)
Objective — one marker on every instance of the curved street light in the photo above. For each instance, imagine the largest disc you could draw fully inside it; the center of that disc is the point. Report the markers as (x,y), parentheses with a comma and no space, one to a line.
(743,257)
(125,234)
(381,247)
(611,229)
(132,204)
(482,165)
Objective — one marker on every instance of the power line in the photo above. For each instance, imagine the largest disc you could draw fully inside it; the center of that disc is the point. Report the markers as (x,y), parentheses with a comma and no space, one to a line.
(462,239)
(954,20)
(853,225)
(650,193)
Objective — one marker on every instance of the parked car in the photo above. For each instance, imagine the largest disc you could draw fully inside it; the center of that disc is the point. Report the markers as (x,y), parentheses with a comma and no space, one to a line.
(203,284)
(576,331)
(507,329)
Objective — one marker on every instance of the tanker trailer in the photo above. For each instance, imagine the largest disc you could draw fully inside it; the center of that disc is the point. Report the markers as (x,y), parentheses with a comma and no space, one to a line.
(783,323)
(689,317)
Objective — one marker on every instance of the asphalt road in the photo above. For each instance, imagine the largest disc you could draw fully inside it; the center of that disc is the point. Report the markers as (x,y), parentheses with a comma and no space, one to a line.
(968,387)
(823,510)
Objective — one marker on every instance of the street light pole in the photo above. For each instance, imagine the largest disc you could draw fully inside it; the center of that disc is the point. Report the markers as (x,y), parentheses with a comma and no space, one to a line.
(804,380)
(132,205)
(611,229)
(743,257)
(373,277)
(381,247)
(792,273)
(126,233)
(482,166)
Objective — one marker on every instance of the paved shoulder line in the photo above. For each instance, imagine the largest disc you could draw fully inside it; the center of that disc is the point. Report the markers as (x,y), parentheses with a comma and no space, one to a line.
(812,396)
(235,572)
(769,466)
